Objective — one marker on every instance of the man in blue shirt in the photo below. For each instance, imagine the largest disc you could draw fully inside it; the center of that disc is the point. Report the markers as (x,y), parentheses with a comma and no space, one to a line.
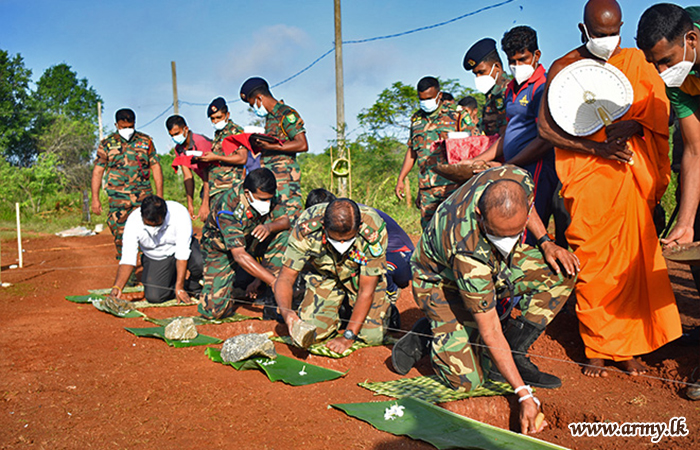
(521,144)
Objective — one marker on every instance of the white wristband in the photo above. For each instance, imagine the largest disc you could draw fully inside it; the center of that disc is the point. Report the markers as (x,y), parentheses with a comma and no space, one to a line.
(525,397)
(524,386)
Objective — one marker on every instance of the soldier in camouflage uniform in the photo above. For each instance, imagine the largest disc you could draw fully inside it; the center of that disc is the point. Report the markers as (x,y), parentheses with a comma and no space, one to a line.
(247,230)
(223,171)
(482,59)
(285,124)
(128,157)
(429,124)
(470,258)
(344,246)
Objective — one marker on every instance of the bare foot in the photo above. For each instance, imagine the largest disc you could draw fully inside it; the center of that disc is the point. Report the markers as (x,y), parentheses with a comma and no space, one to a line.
(595,368)
(632,367)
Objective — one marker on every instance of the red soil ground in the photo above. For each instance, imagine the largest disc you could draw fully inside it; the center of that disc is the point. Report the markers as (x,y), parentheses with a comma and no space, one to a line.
(72,377)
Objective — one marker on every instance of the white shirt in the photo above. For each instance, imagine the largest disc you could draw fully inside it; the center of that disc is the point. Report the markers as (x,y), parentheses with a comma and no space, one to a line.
(173,237)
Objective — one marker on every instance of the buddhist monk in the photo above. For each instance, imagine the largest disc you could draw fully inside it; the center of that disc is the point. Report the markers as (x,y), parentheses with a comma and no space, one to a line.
(612,180)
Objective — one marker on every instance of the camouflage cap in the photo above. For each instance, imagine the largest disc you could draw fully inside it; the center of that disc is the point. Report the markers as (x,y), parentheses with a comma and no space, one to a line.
(478,52)
(250,85)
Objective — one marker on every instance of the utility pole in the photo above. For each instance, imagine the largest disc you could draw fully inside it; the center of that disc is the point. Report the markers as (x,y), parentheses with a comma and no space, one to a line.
(99,120)
(340,99)
(175,101)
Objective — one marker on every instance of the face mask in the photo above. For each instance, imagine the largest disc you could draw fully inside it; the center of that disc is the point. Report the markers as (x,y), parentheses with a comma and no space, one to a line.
(220,125)
(484,83)
(521,72)
(341,247)
(429,105)
(504,245)
(602,47)
(126,133)
(179,139)
(260,111)
(261,206)
(674,76)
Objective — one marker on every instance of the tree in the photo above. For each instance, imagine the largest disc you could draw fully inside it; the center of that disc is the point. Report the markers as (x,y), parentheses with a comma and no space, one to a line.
(59,92)
(390,115)
(15,117)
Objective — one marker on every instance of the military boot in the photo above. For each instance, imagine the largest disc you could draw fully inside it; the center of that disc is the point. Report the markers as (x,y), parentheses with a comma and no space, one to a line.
(521,334)
(412,347)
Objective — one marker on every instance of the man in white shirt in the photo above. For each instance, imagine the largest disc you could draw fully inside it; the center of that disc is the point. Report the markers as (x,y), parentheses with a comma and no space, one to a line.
(163,232)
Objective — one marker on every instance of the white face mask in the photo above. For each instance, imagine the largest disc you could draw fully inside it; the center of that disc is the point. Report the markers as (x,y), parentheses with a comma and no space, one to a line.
(220,125)
(260,111)
(341,247)
(261,206)
(179,139)
(429,105)
(674,76)
(522,72)
(126,133)
(504,245)
(484,83)
(602,47)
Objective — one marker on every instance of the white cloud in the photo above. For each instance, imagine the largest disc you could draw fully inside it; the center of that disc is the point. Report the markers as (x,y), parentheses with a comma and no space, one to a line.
(274,51)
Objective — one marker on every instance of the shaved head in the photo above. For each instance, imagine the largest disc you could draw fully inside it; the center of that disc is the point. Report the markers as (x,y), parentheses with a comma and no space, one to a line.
(602,11)
(503,198)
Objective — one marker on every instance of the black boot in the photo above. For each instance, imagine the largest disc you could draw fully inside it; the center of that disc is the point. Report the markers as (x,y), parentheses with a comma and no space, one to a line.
(521,334)
(412,347)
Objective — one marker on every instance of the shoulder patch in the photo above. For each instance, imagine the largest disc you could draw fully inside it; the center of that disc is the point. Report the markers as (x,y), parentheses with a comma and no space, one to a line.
(291,118)
(376,249)
(369,234)
(311,225)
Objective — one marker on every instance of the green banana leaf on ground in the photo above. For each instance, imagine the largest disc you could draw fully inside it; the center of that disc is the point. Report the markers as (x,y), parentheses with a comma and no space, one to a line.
(444,429)
(288,370)
(159,332)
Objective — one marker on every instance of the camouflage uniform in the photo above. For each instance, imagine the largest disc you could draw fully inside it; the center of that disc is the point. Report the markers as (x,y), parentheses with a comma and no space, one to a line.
(457,272)
(426,129)
(127,166)
(493,116)
(332,278)
(224,176)
(284,123)
(229,226)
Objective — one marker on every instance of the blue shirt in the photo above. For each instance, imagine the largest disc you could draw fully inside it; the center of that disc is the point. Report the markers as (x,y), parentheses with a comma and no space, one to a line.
(522,109)
(398,239)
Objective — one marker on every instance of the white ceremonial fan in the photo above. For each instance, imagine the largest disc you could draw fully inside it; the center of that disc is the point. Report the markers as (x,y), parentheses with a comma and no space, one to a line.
(588,95)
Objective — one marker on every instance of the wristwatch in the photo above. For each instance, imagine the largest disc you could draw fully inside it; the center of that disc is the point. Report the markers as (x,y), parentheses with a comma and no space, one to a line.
(349,335)
(543,239)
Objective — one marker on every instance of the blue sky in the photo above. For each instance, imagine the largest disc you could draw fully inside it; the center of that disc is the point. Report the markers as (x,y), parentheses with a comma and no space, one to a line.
(124,49)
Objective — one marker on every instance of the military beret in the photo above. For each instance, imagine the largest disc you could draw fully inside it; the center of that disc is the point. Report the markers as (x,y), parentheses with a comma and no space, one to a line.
(478,52)
(216,105)
(250,85)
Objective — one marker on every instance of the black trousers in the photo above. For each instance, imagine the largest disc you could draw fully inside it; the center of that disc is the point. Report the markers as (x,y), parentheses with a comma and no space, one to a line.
(159,277)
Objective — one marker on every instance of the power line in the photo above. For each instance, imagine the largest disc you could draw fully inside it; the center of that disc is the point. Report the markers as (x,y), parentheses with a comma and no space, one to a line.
(157,117)
(358,41)
(429,27)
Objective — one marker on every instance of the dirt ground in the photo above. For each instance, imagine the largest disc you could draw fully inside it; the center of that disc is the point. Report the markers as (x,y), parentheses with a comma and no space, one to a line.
(72,377)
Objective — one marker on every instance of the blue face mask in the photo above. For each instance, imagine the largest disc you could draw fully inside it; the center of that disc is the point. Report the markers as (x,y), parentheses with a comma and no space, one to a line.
(179,139)
(260,111)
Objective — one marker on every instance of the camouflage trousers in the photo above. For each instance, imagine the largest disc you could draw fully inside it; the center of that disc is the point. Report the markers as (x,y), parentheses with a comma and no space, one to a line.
(323,299)
(429,199)
(457,352)
(120,206)
(221,269)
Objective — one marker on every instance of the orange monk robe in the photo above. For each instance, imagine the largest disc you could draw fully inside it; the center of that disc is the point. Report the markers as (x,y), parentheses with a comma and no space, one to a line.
(625,303)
